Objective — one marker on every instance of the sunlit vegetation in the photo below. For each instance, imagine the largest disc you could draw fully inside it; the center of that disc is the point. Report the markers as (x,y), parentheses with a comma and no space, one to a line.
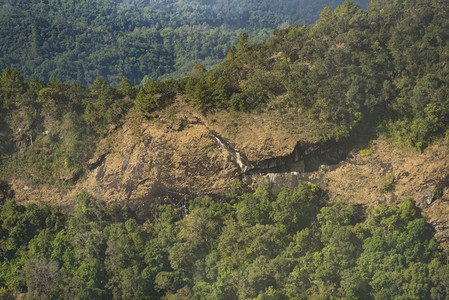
(245,246)
(353,69)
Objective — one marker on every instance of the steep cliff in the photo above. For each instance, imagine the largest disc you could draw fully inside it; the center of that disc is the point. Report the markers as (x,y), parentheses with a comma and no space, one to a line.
(180,153)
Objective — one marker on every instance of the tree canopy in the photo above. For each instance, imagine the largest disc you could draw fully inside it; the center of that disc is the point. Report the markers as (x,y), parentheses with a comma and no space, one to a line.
(77,41)
(243,247)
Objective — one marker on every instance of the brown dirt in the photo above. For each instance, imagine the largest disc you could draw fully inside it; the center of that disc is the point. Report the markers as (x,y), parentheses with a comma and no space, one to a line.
(173,157)
(362,179)
(264,135)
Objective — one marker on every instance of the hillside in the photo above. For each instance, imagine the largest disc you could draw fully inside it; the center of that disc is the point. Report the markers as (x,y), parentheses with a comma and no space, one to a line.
(304,98)
(76,41)
(309,92)
(311,165)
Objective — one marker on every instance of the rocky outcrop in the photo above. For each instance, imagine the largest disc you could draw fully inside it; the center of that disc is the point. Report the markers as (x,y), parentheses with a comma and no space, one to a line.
(162,164)
(181,154)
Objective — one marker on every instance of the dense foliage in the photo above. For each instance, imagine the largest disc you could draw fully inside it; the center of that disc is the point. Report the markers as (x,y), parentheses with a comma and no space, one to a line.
(77,41)
(353,69)
(248,246)
(49,131)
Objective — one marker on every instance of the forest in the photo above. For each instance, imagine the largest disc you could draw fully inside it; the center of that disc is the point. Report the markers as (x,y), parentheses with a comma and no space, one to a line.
(354,70)
(77,41)
(358,72)
(246,245)
(382,70)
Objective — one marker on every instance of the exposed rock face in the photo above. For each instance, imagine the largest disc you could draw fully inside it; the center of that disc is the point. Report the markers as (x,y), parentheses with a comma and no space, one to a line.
(363,178)
(181,154)
(162,163)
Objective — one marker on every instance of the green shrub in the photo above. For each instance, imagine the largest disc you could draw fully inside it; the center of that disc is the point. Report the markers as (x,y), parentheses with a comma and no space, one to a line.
(365,152)
(388,183)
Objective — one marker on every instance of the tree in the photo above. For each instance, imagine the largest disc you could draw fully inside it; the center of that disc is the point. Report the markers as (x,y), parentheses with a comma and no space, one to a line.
(254,208)
(98,86)
(34,86)
(196,237)
(43,279)
(242,43)
(11,85)
(88,281)
(296,209)
(51,101)
(125,88)
(154,95)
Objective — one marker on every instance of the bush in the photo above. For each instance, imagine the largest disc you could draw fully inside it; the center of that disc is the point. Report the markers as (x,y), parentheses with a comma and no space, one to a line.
(388,183)
(365,152)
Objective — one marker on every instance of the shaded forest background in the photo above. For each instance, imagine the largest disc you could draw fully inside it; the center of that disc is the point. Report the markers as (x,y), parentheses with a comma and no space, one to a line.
(76,41)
